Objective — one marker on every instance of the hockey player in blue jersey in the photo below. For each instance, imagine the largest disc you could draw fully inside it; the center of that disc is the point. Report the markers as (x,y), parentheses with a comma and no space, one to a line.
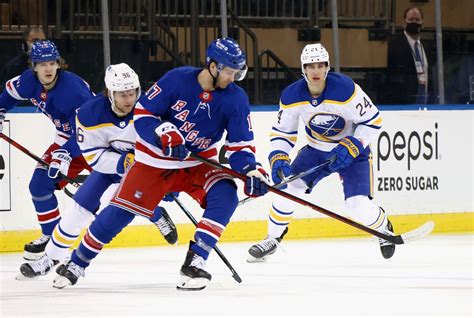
(106,136)
(188,109)
(341,121)
(57,93)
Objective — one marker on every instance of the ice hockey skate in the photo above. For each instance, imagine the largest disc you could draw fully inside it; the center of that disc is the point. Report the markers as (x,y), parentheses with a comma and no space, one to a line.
(193,275)
(68,275)
(40,267)
(35,249)
(261,251)
(167,227)
(387,248)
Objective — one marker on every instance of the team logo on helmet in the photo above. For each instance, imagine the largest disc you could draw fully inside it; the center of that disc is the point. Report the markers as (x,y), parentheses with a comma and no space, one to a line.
(44,51)
(324,125)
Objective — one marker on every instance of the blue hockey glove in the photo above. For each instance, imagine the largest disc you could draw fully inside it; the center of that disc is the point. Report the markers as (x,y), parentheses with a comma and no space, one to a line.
(169,198)
(125,163)
(172,142)
(344,153)
(2,118)
(257,180)
(60,162)
(280,164)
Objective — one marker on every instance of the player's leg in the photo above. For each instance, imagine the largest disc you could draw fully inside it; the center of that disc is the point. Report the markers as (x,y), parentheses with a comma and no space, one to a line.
(110,222)
(281,211)
(219,197)
(358,191)
(45,202)
(127,202)
(86,203)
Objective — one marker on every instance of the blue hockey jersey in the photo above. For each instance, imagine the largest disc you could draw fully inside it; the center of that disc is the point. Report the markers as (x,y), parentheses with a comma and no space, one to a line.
(202,118)
(59,103)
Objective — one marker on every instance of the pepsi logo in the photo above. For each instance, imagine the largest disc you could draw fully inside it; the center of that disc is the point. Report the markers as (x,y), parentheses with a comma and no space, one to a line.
(326,125)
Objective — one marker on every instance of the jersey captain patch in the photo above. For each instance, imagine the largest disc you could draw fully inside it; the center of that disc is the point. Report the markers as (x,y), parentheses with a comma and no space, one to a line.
(326,125)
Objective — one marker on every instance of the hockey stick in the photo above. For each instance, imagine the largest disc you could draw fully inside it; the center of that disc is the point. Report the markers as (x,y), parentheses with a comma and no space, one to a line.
(290,179)
(415,234)
(218,251)
(36,158)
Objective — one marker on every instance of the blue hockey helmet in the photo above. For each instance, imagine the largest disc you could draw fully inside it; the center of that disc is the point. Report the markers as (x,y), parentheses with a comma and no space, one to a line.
(44,51)
(227,52)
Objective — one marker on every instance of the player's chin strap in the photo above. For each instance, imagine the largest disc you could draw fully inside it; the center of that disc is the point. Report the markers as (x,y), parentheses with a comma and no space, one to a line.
(415,234)
(214,78)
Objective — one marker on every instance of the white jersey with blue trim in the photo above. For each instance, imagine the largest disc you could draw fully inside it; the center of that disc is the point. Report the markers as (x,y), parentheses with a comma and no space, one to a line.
(102,135)
(343,109)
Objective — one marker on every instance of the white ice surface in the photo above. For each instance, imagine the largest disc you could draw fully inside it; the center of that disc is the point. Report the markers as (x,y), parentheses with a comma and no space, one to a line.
(340,277)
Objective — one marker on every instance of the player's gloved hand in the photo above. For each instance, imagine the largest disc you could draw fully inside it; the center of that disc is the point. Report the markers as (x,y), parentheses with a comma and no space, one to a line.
(172,142)
(280,164)
(169,198)
(344,153)
(257,180)
(60,162)
(125,163)
(2,118)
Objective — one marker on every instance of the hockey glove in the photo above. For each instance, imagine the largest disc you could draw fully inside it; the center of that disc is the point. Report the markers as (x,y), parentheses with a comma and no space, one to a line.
(125,163)
(60,162)
(172,142)
(280,164)
(256,181)
(169,198)
(344,153)
(2,118)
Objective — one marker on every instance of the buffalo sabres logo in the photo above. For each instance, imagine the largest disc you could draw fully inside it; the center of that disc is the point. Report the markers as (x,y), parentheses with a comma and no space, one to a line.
(321,126)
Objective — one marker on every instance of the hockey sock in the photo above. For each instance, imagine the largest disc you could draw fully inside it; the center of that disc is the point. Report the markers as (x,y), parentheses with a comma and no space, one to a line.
(67,231)
(46,204)
(221,201)
(110,222)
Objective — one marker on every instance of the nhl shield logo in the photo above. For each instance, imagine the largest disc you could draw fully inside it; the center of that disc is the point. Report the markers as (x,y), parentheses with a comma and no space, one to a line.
(122,124)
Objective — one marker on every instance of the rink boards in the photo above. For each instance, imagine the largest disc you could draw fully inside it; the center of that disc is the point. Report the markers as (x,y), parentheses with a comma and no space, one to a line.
(422,171)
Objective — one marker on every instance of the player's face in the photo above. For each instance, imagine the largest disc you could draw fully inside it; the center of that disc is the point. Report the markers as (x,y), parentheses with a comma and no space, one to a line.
(125,101)
(226,76)
(316,72)
(46,71)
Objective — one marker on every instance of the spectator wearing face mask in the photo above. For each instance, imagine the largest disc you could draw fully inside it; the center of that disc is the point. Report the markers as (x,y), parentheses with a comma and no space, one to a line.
(407,63)
(19,63)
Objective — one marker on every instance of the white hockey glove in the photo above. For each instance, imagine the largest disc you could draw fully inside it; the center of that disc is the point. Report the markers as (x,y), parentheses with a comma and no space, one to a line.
(60,162)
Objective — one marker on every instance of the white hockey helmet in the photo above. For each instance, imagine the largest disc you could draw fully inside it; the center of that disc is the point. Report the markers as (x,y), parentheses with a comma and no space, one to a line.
(314,53)
(120,78)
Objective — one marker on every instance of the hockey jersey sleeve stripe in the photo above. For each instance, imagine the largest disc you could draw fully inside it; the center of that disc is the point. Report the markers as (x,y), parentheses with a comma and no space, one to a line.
(295,132)
(292,138)
(376,118)
(12,90)
(283,139)
(293,105)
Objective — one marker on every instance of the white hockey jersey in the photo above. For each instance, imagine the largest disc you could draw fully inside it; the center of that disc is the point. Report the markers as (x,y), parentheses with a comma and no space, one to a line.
(102,135)
(343,109)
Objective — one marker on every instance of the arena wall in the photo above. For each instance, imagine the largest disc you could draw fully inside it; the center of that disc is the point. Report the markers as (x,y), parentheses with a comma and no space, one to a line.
(422,171)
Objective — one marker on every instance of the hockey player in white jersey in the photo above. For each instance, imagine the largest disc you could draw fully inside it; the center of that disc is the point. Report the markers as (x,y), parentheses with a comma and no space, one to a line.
(106,136)
(340,123)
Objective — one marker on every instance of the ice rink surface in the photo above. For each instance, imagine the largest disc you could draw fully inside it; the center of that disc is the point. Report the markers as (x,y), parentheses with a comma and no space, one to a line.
(432,277)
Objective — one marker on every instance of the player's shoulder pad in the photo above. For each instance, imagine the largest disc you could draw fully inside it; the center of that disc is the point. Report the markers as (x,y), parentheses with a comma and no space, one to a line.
(26,83)
(340,88)
(293,93)
(95,111)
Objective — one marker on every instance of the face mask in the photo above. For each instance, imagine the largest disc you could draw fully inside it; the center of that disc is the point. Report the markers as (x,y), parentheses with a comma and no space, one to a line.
(413,28)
